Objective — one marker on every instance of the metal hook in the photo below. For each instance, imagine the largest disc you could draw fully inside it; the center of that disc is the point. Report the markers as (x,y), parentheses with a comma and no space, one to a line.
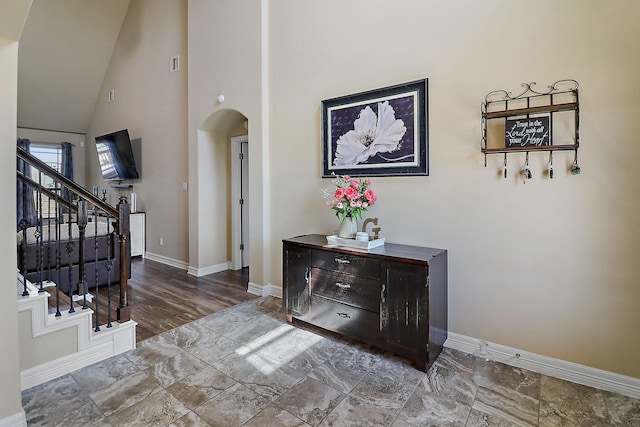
(575,168)
(505,166)
(551,164)
(527,171)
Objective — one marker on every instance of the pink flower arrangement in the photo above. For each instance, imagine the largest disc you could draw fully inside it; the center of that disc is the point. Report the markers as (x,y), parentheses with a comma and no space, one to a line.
(351,197)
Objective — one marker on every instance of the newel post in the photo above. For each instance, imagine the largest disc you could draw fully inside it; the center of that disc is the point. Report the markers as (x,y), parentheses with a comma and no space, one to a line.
(123,313)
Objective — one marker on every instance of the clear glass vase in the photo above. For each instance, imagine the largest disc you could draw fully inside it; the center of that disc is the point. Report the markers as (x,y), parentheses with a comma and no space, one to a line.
(481,366)
(348,228)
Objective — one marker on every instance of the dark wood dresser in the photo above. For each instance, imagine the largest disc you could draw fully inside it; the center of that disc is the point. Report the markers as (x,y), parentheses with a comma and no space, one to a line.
(393,296)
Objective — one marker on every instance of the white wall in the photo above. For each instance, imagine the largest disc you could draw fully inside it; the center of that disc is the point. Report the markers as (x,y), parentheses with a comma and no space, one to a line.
(547,267)
(152,103)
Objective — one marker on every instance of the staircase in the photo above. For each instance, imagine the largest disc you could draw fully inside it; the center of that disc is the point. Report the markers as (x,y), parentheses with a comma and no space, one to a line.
(73,266)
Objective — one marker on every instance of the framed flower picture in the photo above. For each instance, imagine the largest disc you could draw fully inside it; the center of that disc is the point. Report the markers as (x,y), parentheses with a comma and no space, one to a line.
(379,132)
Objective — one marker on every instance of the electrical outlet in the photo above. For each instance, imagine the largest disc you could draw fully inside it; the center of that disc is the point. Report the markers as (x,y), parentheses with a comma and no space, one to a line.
(161,241)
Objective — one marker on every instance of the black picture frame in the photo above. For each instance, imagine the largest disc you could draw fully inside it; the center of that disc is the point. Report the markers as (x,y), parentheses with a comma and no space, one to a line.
(355,141)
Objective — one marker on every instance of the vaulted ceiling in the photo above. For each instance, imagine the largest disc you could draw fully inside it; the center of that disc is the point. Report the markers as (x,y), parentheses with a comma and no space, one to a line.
(63,56)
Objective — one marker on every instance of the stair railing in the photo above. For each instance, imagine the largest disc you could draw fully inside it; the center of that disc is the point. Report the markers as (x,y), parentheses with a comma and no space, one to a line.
(45,257)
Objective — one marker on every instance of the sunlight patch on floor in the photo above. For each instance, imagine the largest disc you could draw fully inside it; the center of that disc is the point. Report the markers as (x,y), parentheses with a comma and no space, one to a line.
(271,343)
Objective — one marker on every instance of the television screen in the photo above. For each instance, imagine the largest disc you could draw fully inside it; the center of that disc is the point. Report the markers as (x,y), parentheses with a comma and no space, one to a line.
(116,156)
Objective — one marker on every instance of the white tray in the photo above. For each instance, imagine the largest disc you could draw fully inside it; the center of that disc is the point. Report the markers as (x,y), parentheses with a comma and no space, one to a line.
(353,243)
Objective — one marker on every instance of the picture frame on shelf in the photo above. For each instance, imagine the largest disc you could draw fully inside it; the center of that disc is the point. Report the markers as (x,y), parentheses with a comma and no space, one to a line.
(381,132)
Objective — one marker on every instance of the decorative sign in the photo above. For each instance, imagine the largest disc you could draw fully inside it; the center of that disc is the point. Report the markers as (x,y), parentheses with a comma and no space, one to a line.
(528,132)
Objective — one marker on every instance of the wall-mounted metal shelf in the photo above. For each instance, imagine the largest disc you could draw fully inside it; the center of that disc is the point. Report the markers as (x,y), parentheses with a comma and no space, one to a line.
(532,121)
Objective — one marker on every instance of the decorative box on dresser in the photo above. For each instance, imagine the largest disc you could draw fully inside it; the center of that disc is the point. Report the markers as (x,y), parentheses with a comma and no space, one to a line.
(392,296)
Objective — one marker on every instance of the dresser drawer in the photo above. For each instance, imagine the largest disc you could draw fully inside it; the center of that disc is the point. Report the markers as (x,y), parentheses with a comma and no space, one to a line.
(346,288)
(347,320)
(346,263)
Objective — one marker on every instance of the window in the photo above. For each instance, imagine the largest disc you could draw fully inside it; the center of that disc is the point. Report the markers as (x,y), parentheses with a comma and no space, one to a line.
(52,156)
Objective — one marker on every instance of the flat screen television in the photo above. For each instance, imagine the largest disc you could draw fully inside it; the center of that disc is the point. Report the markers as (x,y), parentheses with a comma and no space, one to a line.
(116,156)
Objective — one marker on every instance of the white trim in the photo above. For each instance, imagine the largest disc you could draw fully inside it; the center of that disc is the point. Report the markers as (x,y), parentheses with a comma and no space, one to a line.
(92,346)
(557,368)
(166,260)
(260,290)
(16,420)
(199,272)
(264,290)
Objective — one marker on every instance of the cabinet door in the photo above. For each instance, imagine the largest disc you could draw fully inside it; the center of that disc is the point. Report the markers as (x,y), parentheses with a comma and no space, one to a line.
(296,272)
(404,308)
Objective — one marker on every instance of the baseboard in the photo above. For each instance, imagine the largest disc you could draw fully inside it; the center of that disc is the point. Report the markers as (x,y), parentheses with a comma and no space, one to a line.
(15,420)
(199,272)
(121,338)
(260,290)
(166,260)
(557,368)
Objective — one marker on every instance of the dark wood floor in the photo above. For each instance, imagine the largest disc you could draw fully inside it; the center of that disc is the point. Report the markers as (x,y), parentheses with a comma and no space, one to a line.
(163,297)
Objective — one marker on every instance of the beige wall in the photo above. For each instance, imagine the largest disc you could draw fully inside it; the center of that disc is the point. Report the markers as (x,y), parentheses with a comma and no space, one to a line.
(152,103)
(11,403)
(225,58)
(547,267)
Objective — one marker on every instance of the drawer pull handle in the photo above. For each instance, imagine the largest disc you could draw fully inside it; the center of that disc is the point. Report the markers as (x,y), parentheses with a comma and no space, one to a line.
(343,285)
(341,261)
(383,293)
(344,315)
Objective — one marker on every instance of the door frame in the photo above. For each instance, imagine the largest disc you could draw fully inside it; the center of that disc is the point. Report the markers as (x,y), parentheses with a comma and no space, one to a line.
(236,194)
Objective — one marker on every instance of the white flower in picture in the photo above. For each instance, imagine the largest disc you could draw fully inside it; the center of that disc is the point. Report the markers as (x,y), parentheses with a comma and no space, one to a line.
(371,134)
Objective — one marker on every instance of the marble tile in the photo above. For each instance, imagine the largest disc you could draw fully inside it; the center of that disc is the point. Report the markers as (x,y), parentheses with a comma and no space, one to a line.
(426,408)
(189,420)
(480,419)
(256,328)
(237,367)
(310,400)
(386,388)
(189,335)
(274,416)
(270,385)
(518,379)
(224,321)
(271,344)
(352,411)
(564,402)
(345,368)
(200,386)
(43,395)
(152,351)
(506,404)
(175,368)
(457,361)
(102,374)
(76,410)
(622,410)
(159,409)
(214,349)
(124,393)
(232,407)
(449,384)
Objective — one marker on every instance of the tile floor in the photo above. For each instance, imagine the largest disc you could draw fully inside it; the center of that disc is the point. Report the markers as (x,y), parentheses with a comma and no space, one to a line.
(245,366)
